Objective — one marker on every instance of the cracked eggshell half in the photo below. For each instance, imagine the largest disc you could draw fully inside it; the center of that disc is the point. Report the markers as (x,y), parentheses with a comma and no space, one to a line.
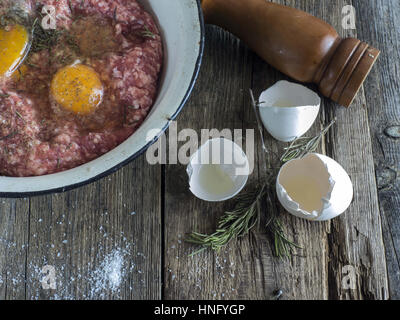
(315,187)
(218,170)
(288,110)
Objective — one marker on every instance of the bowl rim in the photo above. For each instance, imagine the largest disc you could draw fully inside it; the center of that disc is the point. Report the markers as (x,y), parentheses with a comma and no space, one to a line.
(144,148)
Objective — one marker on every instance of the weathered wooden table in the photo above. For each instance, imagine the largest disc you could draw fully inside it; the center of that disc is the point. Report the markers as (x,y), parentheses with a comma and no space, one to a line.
(122,237)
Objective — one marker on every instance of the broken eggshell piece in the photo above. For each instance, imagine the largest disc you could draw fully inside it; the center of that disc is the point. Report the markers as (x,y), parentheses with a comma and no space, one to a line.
(315,188)
(218,170)
(288,110)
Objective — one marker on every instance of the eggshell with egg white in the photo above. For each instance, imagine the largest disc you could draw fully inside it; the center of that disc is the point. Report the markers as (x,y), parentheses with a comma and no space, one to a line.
(231,160)
(288,110)
(334,185)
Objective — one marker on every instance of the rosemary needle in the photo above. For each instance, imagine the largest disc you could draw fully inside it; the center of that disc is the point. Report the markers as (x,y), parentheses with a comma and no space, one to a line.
(147,33)
(233,224)
(303,145)
(19,116)
(283,247)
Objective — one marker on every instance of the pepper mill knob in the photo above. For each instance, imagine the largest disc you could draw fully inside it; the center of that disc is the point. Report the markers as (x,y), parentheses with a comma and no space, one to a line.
(298,44)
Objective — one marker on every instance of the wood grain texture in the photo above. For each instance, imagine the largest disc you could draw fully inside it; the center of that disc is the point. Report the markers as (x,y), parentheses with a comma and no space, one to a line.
(81,233)
(383,100)
(247,270)
(142,212)
(356,237)
(14,231)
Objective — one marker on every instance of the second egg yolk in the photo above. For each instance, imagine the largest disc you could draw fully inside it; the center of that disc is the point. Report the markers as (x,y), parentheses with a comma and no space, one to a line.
(77,88)
(14,41)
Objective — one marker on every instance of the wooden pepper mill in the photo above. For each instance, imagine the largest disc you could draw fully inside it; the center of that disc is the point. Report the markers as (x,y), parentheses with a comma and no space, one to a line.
(302,46)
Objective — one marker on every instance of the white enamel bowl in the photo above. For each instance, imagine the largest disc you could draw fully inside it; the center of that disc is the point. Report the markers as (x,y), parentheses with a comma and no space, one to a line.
(182,27)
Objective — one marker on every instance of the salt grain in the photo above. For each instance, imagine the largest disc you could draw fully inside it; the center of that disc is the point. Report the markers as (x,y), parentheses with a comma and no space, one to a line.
(109,274)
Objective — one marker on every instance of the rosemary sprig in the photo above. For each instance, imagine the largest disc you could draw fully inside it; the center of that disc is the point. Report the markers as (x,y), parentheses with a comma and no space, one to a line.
(246,214)
(239,222)
(304,145)
(44,39)
(283,247)
(233,224)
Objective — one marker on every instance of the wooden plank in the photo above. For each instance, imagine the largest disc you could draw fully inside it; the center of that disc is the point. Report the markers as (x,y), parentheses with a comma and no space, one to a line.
(104,239)
(383,100)
(14,230)
(207,276)
(308,267)
(355,239)
(247,270)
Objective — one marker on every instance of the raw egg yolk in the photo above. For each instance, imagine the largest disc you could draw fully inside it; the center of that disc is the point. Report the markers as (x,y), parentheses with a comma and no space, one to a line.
(77,88)
(14,41)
